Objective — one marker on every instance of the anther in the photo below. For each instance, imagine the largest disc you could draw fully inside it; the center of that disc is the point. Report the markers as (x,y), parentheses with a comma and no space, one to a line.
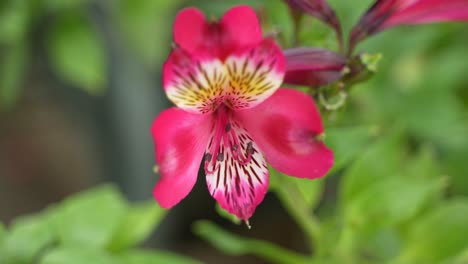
(208,157)
(228,127)
(220,157)
(174,45)
(249,148)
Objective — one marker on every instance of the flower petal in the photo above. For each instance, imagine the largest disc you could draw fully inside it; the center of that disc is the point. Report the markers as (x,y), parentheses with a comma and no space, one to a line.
(384,14)
(180,139)
(241,28)
(190,29)
(238,176)
(312,66)
(427,11)
(286,127)
(254,74)
(319,9)
(195,84)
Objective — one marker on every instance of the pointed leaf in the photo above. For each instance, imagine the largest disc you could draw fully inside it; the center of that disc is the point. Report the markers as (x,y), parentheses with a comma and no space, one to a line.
(90,218)
(137,225)
(391,201)
(26,238)
(154,257)
(311,190)
(78,255)
(348,142)
(227,215)
(439,234)
(77,54)
(377,162)
(236,245)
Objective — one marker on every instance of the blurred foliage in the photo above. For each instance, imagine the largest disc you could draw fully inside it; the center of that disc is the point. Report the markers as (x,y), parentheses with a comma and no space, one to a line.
(75,41)
(95,226)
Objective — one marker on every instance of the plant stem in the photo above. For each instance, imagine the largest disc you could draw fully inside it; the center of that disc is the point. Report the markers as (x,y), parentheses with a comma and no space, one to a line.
(290,197)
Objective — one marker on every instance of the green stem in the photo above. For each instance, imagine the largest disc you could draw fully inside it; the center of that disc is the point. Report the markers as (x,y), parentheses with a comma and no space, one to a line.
(293,202)
(237,245)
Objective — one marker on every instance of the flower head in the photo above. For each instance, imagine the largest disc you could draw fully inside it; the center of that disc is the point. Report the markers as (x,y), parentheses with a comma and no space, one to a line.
(230,114)
(384,14)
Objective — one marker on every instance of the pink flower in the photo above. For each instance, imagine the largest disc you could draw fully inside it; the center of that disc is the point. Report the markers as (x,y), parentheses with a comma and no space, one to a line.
(389,13)
(224,78)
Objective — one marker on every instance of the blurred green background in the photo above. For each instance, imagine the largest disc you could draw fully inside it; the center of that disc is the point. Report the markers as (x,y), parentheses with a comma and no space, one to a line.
(80,86)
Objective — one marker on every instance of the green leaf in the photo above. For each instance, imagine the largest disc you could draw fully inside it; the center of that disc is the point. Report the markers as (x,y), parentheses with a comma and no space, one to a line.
(60,5)
(371,61)
(236,245)
(78,255)
(227,215)
(391,201)
(438,235)
(77,54)
(12,71)
(2,238)
(310,191)
(14,21)
(348,142)
(2,232)
(154,257)
(27,237)
(90,218)
(138,223)
(377,162)
(461,258)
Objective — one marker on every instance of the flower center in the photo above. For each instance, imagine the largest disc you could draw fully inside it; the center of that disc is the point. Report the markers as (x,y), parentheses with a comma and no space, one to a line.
(225,139)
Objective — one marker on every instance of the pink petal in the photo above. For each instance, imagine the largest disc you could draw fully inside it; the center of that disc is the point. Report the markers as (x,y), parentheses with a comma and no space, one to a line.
(241,28)
(238,28)
(312,66)
(426,11)
(285,128)
(254,74)
(195,84)
(236,172)
(319,9)
(180,139)
(189,29)
(384,14)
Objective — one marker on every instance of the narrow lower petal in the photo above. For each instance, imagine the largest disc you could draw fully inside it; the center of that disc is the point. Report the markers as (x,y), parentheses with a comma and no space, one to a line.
(236,172)
(254,74)
(195,84)
(180,140)
(286,128)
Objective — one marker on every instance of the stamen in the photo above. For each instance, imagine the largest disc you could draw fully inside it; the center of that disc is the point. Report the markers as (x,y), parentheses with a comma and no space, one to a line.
(207,169)
(208,157)
(228,127)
